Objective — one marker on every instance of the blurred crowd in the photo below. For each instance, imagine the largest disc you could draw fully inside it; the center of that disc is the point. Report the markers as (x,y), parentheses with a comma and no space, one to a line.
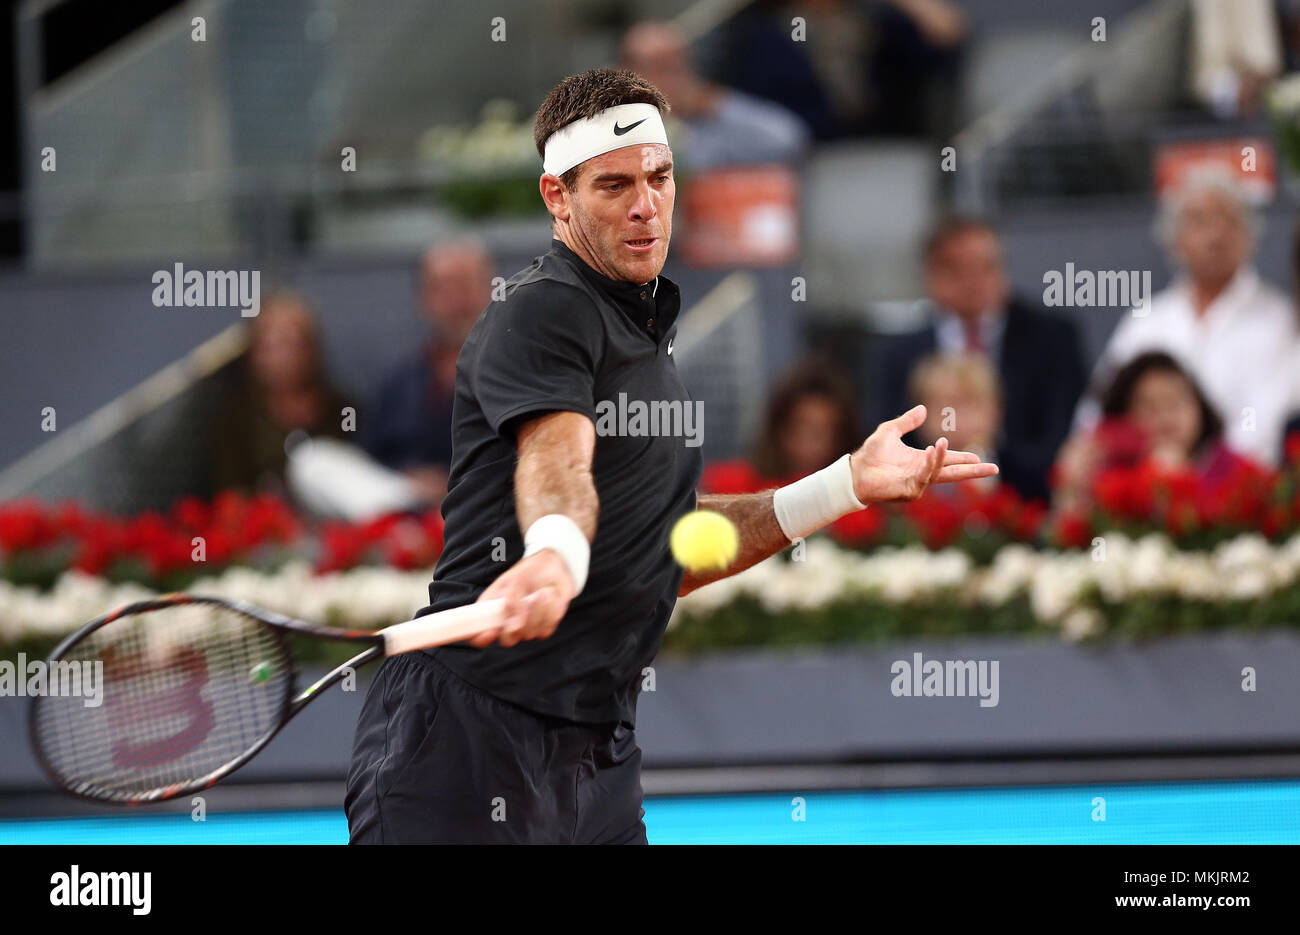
(286,403)
(1201,378)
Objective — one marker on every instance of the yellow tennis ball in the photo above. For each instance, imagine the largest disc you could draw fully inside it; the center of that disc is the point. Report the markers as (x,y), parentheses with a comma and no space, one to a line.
(704,541)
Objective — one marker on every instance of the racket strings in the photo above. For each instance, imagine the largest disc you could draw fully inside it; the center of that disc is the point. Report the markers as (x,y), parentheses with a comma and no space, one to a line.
(185,691)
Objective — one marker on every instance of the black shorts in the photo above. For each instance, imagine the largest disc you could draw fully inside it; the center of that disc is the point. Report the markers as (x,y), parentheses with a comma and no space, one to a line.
(436,760)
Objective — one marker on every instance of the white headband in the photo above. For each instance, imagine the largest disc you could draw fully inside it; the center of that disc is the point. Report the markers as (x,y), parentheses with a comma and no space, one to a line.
(612,128)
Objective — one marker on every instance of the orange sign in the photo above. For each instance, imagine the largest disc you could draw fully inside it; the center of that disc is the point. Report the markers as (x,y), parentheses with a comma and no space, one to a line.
(742,216)
(1252,159)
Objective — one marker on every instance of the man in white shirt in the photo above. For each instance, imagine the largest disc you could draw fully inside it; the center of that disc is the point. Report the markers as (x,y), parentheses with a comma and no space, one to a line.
(1234,332)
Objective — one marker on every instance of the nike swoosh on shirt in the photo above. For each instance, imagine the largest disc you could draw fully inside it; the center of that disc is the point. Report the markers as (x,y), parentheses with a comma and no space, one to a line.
(619,131)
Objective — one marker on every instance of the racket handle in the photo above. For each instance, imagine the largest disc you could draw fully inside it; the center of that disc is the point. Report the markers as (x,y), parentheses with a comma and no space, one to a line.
(447,626)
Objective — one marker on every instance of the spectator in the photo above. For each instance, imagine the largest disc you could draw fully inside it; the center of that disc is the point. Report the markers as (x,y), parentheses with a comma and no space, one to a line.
(1290,451)
(1236,50)
(1288,16)
(407,427)
(1234,333)
(861,68)
(1035,354)
(963,402)
(811,419)
(1291,443)
(717,126)
(1155,412)
(284,389)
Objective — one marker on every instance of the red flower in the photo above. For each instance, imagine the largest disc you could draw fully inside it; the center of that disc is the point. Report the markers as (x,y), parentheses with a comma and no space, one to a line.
(1292,447)
(24,525)
(191,513)
(1125,493)
(219,548)
(938,520)
(1274,521)
(859,528)
(341,547)
(1073,531)
(409,544)
(1030,522)
(69,519)
(731,477)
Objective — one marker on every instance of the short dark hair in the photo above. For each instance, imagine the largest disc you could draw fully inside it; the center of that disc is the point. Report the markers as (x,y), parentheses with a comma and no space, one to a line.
(581,97)
(1119,397)
(951,227)
(815,375)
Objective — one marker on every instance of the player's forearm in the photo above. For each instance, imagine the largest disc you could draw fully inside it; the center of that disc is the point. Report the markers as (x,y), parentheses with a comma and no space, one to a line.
(551,479)
(759,533)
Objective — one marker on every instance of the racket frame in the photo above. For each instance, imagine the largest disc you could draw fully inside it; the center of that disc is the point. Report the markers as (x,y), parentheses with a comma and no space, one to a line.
(279,624)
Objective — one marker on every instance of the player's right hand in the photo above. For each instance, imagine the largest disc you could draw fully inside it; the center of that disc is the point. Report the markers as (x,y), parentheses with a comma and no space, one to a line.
(537,591)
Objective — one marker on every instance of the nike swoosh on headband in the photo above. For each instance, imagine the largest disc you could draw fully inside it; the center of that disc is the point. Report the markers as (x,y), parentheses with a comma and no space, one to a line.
(575,143)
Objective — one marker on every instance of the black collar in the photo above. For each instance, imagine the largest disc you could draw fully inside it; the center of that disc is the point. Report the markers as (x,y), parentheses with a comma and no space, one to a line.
(656,302)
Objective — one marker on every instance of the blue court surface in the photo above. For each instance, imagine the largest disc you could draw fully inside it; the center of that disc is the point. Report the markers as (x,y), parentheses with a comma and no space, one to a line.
(1245,812)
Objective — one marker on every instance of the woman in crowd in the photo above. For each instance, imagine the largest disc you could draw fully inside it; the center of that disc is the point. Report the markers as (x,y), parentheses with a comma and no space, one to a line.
(283,389)
(1153,413)
(811,419)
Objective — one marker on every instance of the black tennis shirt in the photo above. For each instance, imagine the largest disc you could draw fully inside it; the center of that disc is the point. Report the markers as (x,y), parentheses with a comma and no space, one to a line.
(567,338)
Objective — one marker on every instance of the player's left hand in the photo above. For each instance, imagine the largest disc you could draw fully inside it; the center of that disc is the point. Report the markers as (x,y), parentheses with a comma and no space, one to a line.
(885,469)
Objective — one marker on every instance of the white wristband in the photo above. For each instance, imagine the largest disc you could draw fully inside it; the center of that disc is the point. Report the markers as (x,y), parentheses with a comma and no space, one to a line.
(556,531)
(807,505)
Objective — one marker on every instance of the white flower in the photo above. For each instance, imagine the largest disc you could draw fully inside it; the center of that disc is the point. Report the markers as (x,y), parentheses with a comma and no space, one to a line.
(1249,550)
(1081,623)
(1058,585)
(1191,575)
(1245,568)
(1008,577)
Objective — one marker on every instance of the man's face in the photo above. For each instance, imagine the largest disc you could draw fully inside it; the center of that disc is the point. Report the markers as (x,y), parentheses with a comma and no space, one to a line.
(978,414)
(657,53)
(620,213)
(966,274)
(455,285)
(1212,239)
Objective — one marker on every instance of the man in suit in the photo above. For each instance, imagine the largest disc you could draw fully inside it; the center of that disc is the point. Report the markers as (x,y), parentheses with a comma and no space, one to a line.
(1036,354)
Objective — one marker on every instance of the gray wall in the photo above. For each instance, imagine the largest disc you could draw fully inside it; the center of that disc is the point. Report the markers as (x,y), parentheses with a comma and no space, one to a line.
(1176,696)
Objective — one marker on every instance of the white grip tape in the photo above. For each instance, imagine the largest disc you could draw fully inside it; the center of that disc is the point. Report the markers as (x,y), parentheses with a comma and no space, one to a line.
(809,504)
(559,532)
(447,626)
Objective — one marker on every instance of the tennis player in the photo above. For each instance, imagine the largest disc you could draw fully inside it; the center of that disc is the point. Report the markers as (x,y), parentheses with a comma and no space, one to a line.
(526,733)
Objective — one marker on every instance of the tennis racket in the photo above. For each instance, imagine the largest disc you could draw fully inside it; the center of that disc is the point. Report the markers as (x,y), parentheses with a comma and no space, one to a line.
(192,688)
